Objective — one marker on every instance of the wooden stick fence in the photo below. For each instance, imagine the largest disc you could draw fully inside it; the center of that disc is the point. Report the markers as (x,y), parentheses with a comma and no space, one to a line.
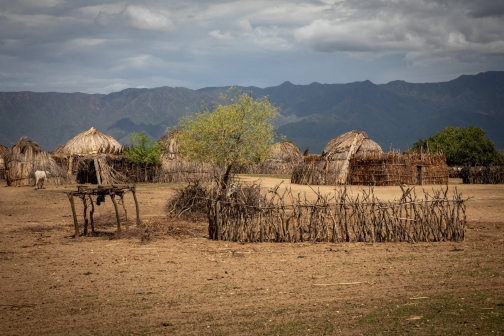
(341,218)
(482,175)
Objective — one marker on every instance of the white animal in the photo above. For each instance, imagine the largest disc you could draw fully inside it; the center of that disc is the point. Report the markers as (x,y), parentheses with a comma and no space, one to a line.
(40,177)
(232,191)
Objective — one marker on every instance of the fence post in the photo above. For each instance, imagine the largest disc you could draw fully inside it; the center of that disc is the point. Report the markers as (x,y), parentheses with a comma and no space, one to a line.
(217,220)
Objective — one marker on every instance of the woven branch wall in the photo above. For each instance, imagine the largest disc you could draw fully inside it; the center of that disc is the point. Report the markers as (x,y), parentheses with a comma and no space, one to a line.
(113,169)
(394,168)
(482,175)
(387,169)
(342,218)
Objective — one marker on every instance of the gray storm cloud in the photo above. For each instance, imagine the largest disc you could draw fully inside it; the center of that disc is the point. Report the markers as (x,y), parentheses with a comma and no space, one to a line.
(416,28)
(102,46)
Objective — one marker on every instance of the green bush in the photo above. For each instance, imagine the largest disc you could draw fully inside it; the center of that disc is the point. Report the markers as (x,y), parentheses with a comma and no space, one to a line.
(462,146)
(143,150)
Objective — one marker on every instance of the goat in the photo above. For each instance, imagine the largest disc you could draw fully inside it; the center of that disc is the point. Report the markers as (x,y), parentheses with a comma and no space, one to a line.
(232,191)
(40,177)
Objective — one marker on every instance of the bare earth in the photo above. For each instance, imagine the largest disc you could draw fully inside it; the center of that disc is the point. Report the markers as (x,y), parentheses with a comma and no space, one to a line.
(182,283)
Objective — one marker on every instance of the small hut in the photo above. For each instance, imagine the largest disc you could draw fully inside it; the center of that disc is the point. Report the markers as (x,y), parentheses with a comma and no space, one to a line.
(175,168)
(90,142)
(281,159)
(3,152)
(26,157)
(332,167)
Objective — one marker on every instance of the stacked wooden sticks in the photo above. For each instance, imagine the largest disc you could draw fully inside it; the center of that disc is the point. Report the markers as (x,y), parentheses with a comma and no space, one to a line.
(341,217)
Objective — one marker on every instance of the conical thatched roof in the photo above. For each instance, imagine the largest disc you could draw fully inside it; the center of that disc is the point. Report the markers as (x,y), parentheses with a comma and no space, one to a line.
(282,157)
(90,142)
(348,144)
(333,167)
(26,157)
(284,151)
(3,150)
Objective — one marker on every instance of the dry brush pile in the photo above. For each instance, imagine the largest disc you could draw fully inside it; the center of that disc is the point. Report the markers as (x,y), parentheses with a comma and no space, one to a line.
(340,217)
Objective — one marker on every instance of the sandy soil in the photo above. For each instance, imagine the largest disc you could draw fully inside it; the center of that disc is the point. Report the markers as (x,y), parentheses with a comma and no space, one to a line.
(179,282)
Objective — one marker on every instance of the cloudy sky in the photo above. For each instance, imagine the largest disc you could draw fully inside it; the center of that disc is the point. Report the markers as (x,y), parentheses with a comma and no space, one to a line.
(105,46)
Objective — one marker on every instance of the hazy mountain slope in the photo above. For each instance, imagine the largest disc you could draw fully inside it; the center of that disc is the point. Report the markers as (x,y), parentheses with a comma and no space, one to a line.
(393,114)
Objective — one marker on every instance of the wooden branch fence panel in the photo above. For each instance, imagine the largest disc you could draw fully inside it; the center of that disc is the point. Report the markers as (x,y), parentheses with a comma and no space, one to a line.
(482,175)
(341,218)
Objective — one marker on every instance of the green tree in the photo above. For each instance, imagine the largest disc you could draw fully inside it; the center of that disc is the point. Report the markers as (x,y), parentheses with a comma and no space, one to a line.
(143,150)
(236,132)
(461,146)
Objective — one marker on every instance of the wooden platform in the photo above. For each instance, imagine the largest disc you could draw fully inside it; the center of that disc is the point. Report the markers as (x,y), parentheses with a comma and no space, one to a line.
(86,193)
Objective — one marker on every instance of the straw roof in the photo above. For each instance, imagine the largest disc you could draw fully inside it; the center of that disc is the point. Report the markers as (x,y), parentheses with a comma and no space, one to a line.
(170,148)
(284,152)
(348,144)
(3,150)
(26,157)
(280,159)
(90,142)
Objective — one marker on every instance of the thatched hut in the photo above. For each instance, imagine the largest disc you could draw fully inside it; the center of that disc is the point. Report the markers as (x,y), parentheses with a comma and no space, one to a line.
(90,142)
(3,152)
(332,167)
(24,158)
(175,168)
(281,159)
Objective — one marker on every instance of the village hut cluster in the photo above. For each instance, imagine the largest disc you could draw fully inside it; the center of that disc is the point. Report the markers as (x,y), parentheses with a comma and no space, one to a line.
(96,158)
(353,158)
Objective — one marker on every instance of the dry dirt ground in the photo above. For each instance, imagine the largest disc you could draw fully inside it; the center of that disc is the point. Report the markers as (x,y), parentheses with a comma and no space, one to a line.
(179,282)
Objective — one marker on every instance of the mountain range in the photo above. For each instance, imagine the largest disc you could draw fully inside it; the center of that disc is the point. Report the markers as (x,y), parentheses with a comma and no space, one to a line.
(395,114)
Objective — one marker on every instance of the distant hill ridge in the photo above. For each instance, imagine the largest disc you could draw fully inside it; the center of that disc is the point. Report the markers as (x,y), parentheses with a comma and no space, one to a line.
(394,114)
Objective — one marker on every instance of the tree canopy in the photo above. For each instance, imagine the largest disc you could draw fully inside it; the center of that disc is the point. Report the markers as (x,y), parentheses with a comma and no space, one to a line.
(236,132)
(143,150)
(461,146)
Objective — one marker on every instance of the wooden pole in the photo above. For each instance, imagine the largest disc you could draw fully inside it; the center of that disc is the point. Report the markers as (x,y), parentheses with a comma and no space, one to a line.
(70,165)
(84,201)
(91,212)
(112,197)
(133,189)
(72,204)
(217,221)
(121,196)
(97,169)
